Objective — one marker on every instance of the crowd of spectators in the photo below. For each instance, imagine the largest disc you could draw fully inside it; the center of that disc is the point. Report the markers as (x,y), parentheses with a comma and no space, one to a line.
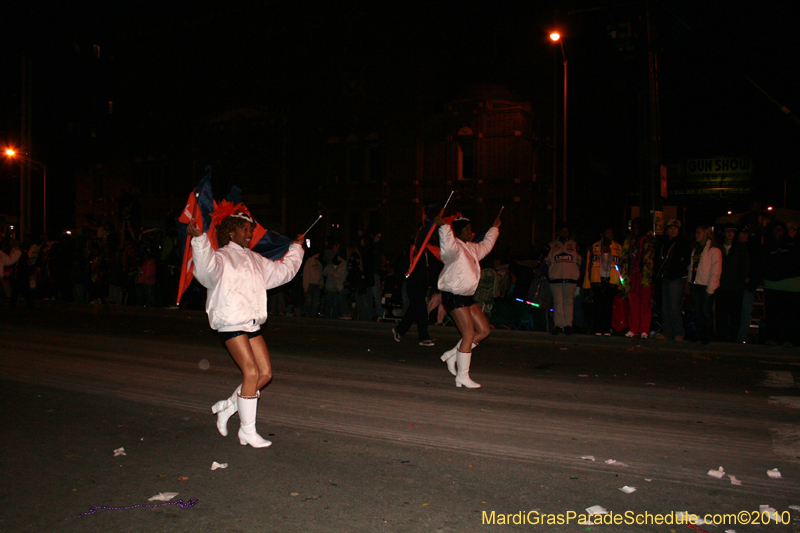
(108,264)
(697,287)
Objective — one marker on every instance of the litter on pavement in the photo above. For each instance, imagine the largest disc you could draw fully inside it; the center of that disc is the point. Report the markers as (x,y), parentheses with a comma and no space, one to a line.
(719,474)
(774,473)
(162,497)
(627,490)
(178,503)
(216,465)
(774,516)
(119,451)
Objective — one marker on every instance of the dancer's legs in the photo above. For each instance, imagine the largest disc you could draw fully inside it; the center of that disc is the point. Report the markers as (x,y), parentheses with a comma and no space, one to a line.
(252,357)
(480,323)
(464,322)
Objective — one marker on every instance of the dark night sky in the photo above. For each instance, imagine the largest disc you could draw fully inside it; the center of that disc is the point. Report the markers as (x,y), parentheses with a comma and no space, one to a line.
(188,61)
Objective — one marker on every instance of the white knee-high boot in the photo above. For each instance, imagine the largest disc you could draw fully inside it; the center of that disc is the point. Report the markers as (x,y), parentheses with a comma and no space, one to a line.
(248,407)
(449,357)
(224,409)
(462,378)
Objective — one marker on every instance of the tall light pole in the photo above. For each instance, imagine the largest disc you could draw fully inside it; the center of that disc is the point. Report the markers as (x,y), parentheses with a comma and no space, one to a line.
(13,154)
(556,37)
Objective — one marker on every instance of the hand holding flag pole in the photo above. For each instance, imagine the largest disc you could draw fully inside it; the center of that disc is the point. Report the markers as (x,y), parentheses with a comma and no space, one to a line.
(299,239)
(427,238)
(497,220)
(447,202)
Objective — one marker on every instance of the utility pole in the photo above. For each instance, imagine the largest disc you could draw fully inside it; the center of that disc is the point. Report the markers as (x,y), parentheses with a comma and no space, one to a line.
(25,145)
(652,178)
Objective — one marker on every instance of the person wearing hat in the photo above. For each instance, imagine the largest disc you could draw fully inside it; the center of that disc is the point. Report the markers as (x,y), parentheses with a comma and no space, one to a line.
(735,267)
(673,259)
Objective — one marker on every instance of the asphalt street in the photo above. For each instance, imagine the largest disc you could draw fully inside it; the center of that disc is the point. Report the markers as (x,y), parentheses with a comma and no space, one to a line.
(372,435)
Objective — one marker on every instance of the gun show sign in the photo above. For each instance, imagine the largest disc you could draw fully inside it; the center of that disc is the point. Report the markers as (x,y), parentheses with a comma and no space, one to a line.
(719,173)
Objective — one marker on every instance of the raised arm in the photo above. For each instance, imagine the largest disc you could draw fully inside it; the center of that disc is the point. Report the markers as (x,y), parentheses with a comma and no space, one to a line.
(447,241)
(485,246)
(280,272)
(207,266)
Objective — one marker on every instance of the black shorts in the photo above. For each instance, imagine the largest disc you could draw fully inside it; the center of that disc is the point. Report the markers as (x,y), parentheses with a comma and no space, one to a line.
(452,301)
(225,336)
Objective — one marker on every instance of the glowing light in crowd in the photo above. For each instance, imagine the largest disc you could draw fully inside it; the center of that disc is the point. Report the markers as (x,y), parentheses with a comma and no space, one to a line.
(621,281)
(527,302)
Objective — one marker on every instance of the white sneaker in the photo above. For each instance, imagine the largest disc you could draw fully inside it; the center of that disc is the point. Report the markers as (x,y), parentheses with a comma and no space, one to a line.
(644,336)
(630,334)
(426,343)
(396,335)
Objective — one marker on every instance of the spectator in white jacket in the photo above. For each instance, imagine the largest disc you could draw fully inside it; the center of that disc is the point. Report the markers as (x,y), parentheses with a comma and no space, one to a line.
(705,268)
(237,280)
(458,282)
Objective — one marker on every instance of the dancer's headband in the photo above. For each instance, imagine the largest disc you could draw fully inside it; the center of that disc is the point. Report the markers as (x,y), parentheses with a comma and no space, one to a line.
(244,216)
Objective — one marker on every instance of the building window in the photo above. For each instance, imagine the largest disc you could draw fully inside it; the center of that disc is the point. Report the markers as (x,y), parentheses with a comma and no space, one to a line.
(466,159)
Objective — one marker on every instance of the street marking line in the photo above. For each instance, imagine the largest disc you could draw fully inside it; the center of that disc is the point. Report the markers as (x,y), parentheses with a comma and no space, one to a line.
(785,401)
(786,441)
(780,379)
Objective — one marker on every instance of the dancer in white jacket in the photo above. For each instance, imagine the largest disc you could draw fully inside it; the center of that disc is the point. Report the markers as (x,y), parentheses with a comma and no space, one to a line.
(237,280)
(458,282)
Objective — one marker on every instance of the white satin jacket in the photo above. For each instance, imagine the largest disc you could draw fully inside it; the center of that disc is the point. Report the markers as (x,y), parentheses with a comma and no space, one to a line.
(237,280)
(462,269)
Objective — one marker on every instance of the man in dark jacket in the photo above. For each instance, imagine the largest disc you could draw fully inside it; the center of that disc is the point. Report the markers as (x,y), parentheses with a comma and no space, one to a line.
(672,257)
(780,266)
(735,267)
(424,276)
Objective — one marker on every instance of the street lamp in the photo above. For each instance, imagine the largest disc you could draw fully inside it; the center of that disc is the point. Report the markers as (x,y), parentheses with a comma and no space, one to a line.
(556,37)
(10,152)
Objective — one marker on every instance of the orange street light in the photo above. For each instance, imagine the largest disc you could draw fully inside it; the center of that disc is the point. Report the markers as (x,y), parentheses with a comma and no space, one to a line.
(555,36)
(10,152)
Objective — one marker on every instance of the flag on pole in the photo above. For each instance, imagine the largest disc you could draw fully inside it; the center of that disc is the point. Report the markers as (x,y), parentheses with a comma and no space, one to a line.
(425,234)
(208,214)
(198,208)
